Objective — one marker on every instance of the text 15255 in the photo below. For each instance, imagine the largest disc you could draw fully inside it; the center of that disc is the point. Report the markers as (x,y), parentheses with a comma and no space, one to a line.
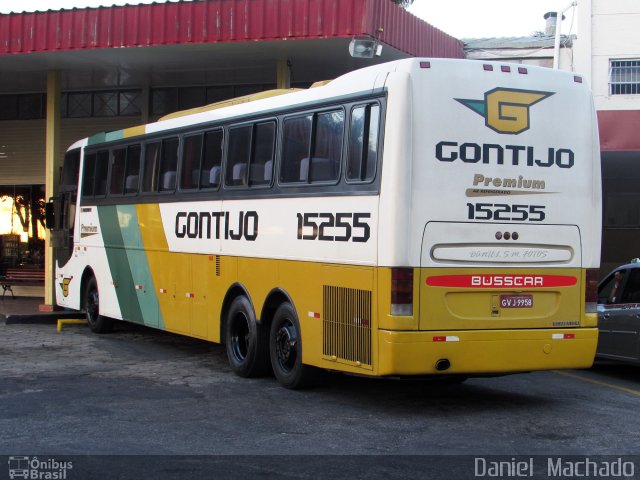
(330,227)
(504,212)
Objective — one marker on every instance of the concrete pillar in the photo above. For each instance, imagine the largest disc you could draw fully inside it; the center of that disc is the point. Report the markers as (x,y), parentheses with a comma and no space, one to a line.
(53,163)
(283,74)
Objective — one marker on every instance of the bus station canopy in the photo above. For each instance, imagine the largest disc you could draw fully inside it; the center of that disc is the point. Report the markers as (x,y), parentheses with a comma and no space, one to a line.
(206,42)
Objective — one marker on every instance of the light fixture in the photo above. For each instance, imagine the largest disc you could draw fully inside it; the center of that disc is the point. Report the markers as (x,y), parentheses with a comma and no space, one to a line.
(362,48)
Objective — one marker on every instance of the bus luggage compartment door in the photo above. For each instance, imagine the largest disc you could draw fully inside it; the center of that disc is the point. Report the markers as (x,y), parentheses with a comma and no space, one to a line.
(495,276)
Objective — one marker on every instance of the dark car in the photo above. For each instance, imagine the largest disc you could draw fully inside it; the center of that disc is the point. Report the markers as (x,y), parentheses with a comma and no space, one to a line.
(619,314)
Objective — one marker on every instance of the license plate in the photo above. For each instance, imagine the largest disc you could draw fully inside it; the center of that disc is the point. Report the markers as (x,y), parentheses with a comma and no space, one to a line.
(516,301)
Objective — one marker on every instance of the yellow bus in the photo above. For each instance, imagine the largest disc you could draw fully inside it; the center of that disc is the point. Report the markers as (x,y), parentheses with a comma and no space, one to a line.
(418,217)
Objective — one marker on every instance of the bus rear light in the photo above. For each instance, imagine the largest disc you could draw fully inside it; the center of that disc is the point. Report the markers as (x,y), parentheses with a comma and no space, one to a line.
(505,68)
(402,291)
(522,70)
(577,79)
(591,291)
(425,64)
(487,67)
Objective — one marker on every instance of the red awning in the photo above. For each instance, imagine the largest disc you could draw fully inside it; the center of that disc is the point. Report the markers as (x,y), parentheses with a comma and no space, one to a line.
(619,130)
(210,21)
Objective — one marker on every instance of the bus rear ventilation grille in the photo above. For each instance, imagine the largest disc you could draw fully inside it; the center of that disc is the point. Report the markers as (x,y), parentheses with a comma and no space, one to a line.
(217,265)
(347,324)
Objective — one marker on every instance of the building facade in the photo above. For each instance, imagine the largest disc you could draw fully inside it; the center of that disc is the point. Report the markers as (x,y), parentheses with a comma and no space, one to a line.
(607,53)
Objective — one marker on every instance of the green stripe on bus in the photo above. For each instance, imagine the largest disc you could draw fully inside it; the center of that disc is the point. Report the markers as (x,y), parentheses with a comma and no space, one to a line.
(140,272)
(119,263)
(97,138)
(111,136)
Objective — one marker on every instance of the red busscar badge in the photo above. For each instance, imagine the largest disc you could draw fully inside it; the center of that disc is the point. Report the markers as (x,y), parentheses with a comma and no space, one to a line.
(501,281)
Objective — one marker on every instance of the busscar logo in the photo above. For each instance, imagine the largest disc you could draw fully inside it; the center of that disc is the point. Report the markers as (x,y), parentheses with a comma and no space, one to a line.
(506,110)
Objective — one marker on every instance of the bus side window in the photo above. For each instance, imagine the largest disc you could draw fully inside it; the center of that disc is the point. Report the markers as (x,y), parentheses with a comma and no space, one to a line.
(296,145)
(327,151)
(71,168)
(238,156)
(101,170)
(212,161)
(169,164)
(190,170)
(118,159)
(150,173)
(261,166)
(363,143)
(312,148)
(88,174)
(132,174)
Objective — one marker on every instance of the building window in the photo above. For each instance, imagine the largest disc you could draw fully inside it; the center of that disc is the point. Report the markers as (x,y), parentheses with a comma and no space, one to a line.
(130,103)
(168,100)
(105,104)
(22,106)
(164,100)
(31,107)
(624,77)
(79,105)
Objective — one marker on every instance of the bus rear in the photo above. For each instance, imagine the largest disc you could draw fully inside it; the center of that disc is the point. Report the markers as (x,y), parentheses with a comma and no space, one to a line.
(496,219)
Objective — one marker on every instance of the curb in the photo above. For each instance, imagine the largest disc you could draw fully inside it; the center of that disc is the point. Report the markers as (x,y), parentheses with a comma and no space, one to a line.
(45,318)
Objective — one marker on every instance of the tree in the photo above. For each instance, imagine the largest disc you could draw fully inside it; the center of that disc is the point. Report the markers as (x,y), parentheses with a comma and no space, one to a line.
(403,3)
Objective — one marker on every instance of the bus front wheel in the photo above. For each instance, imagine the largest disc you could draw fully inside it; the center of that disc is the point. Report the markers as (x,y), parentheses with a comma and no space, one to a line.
(97,323)
(285,349)
(245,340)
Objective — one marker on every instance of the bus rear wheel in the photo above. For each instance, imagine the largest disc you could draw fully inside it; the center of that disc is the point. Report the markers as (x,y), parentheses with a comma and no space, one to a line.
(245,340)
(285,349)
(97,323)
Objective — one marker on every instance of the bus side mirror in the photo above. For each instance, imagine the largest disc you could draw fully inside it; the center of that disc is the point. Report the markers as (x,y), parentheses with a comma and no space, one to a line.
(49,215)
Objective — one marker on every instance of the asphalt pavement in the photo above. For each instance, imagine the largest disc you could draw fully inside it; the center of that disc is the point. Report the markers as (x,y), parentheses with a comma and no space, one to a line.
(156,396)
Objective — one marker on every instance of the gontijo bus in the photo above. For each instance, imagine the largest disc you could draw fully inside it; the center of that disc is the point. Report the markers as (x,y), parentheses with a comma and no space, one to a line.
(418,217)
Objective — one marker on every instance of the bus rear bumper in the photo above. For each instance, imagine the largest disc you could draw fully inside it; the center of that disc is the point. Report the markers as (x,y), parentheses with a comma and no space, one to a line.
(485,351)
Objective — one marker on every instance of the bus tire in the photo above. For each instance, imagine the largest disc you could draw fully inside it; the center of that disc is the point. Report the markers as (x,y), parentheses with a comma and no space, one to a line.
(97,323)
(285,349)
(246,340)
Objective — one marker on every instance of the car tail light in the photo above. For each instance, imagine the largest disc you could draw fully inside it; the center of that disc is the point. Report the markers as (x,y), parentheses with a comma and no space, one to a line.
(591,291)
(402,291)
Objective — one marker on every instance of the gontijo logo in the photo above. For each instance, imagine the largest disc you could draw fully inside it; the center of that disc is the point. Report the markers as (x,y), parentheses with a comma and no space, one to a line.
(506,110)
